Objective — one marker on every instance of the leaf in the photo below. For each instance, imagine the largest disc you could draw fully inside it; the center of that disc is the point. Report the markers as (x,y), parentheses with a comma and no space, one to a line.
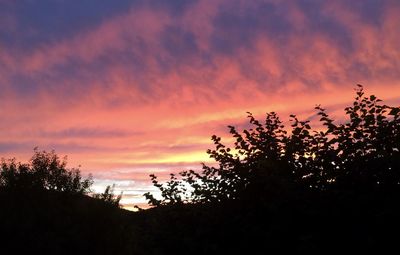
(394,111)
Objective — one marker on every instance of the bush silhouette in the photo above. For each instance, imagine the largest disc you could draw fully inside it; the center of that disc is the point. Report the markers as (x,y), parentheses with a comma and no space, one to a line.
(359,155)
(109,197)
(326,189)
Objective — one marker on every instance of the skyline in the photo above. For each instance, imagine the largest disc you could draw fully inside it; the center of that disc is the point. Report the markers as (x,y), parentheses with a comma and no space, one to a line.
(138,87)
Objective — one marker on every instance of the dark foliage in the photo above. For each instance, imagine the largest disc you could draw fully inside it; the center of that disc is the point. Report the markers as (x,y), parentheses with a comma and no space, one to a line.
(109,197)
(333,189)
(45,171)
(45,209)
(360,155)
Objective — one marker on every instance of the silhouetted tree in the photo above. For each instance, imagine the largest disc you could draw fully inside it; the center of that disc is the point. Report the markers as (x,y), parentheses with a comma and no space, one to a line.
(45,171)
(46,208)
(109,197)
(362,153)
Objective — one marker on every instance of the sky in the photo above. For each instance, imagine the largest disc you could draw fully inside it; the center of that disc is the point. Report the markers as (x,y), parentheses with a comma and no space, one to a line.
(133,87)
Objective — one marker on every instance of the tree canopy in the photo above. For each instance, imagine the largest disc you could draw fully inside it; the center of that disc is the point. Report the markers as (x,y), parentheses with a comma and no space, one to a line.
(358,154)
(45,171)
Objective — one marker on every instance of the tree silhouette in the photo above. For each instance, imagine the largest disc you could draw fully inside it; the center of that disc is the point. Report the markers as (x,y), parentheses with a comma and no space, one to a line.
(109,197)
(357,155)
(45,171)
(48,208)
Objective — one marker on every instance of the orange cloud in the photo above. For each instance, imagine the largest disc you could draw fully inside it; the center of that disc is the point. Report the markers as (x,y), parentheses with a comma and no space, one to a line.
(147,88)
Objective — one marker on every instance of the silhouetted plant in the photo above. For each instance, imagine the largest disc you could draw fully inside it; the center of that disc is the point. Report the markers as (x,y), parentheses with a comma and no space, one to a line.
(109,197)
(362,153)
(173,191)
(44,171)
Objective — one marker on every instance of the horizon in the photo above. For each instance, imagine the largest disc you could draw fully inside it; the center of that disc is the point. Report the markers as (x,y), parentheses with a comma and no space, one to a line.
(138,87)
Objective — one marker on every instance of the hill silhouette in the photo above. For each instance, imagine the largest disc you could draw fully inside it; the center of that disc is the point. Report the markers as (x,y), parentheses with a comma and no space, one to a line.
(48,222)
(335,189)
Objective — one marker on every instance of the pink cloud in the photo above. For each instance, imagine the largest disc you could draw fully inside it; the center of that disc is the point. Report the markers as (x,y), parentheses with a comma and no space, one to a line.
(131,80)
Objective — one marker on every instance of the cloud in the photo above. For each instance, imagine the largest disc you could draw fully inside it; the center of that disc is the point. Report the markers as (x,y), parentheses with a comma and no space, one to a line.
(148,53)
(86,133)
(144,84)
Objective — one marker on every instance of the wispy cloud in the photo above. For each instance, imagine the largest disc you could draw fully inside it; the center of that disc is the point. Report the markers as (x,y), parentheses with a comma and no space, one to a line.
(139,84)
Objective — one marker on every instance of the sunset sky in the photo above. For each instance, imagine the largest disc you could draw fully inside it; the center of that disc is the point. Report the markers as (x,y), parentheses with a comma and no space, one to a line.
(132,87)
